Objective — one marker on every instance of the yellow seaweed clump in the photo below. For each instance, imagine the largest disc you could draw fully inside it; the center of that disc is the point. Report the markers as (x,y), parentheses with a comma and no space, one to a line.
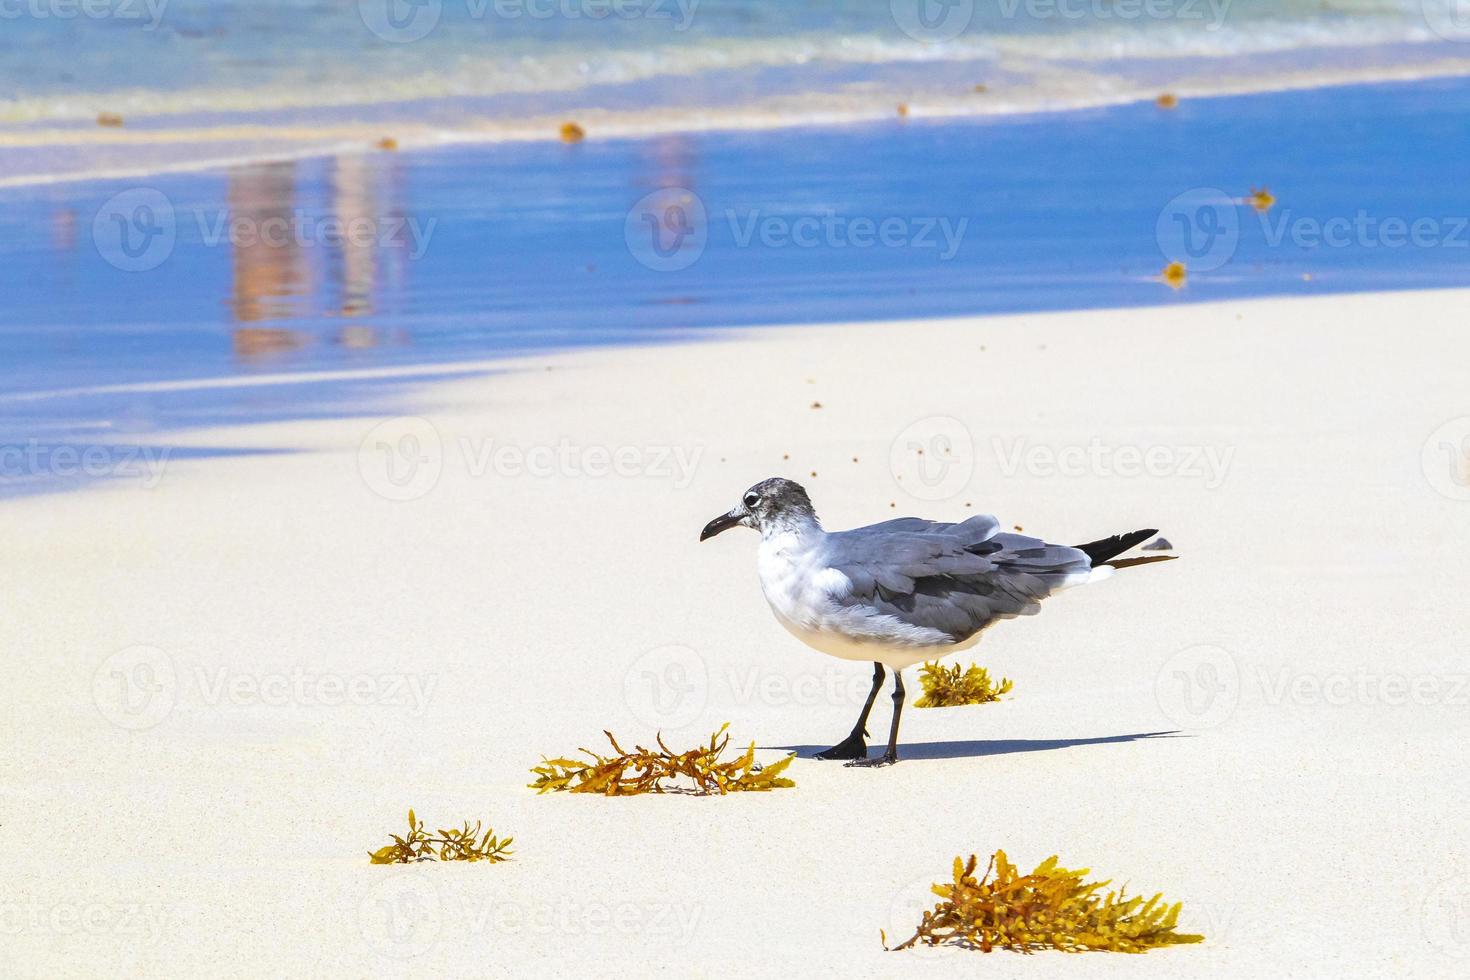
(1050,908)
(464,844)
(951,688)
(572,133)
(698,772)
(1174,275)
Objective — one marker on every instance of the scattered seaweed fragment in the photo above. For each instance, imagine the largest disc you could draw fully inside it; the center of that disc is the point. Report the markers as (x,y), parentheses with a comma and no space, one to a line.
(1174,274)
(952,687)
(464,844)
(572,133)
(1050,908)
(698,771)
(1261,199)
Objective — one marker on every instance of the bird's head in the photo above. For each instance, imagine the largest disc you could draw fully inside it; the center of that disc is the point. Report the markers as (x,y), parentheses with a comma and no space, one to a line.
(769,505)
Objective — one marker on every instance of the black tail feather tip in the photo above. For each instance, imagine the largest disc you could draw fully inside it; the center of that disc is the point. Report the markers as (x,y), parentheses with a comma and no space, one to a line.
(1101,551)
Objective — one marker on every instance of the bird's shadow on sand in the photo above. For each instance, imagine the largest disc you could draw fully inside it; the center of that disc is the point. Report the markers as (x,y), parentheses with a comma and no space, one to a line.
(975,749)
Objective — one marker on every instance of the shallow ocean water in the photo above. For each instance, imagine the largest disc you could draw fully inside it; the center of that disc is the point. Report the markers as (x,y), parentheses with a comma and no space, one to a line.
(475,253)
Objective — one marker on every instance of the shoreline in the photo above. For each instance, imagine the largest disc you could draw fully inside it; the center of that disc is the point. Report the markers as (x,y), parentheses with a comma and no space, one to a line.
(481,253)
(608,126)
(138,459)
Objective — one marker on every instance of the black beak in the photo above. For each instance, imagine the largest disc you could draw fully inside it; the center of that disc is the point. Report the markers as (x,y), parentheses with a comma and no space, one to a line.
(722,523)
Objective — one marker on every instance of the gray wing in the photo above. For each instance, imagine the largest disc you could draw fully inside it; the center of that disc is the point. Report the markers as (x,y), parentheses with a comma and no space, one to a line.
(954,578)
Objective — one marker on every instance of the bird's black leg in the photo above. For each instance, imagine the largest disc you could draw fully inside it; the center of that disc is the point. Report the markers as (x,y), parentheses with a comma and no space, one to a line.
(891,756)
(855,745)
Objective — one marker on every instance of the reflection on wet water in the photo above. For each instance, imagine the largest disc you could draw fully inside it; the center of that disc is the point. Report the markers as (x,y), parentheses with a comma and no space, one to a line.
(64,230)
(296,258)
(266,248)
(352,194)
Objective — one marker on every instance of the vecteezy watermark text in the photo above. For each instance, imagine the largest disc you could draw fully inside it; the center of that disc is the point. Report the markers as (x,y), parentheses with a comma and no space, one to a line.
(937,21)
(149,11)
(304,230)
(138,687)
(403,459)
(144,921)
(408,914)
(1201,687)
(37,459)
(136,230)
(1213,12)
(1203,228)
(1208,464)
(406,21)
(831,230)
(668,688)
(669,229)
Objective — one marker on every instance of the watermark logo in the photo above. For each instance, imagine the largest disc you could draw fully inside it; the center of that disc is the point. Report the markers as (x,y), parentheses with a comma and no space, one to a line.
(1365,230)
(933,459)
(1102,11)
(401,917)
(301,688)
(667,230)
(1450,19)
(1363,687)
(1445,917)
(508,460)
(681,12)
(400,21)
(35,459)
(140,686)
(1208,464)
(1200,228)
(1198,687)
(932,21)
(830,230)
(135,688)
(1446,459)
(149,11)
(302,229)
(141,924)
(905,913)
(401,459)
(405,916)
(136,230)
(667,687)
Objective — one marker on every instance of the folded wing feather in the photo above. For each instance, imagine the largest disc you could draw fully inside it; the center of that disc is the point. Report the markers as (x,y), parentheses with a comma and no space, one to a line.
(955,578)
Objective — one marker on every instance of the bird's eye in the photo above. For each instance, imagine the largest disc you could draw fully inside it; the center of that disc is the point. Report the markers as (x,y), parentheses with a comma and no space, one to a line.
(752,499)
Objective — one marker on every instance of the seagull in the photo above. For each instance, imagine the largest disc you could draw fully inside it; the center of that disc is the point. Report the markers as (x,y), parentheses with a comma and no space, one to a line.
(903,591)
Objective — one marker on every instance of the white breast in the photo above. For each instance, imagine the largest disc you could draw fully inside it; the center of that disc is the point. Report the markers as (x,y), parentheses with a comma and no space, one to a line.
(803,592)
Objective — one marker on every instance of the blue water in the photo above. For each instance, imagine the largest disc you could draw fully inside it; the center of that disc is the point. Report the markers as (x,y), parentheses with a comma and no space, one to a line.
(202,54)
(214,81)
(531,247)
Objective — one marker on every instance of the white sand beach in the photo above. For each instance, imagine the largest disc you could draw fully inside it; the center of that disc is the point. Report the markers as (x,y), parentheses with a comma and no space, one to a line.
(226,689)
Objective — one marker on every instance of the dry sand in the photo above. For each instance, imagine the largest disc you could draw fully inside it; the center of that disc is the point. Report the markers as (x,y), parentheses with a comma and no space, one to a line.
(317,658)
